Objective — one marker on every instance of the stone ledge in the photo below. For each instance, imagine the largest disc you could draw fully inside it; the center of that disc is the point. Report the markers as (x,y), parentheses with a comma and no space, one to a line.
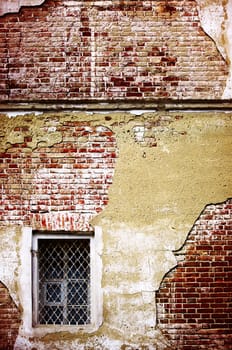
(169,105)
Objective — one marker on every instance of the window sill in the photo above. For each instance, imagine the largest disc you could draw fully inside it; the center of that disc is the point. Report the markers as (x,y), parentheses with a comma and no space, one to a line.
(42,330)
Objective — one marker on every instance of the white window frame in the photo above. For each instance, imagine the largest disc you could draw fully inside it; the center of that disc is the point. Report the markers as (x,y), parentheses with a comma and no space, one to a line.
(29,271)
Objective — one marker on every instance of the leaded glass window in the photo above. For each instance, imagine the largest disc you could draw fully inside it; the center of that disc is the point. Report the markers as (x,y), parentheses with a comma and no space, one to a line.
(63,282)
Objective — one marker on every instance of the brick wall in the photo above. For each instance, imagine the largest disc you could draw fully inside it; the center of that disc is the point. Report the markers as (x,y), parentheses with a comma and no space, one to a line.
(62,182)
(9,320)
(108,50)
(195,299)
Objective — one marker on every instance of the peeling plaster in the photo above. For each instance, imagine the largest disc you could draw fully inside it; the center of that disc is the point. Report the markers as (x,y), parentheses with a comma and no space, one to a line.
(8,6)
(15,114)
(216,20)
(35,129)
(158,191)
(10,261)
(157,341)
(144,193)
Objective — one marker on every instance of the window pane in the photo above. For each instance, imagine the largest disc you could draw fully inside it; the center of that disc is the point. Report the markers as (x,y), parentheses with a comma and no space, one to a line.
(79,268)
(80,313)
(51,260)
(53,293)
(51,315)
(78,293)
(64,281)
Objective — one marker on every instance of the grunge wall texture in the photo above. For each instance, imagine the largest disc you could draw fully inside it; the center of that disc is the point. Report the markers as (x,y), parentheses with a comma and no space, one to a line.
(142,49)
(117,114)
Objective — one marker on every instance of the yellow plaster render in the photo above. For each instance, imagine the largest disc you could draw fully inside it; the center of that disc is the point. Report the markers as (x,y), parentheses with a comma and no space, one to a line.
(163,189)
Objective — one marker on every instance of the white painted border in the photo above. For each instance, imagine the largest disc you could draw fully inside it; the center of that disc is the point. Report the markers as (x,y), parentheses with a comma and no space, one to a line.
(25,282)
(28,244)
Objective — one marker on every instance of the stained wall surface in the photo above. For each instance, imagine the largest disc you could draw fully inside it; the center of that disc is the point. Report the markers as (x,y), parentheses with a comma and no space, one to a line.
(68,50)
(87,143)
(143,177)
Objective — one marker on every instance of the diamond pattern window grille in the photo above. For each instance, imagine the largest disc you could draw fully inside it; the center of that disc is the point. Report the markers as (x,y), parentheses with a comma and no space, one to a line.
(64,281)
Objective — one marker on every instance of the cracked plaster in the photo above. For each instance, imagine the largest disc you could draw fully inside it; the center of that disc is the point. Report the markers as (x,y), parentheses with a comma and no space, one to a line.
(158,191)
(216,20)
(8,6)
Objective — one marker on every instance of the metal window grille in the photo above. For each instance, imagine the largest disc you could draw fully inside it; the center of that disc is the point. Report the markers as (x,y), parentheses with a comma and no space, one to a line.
(64,281)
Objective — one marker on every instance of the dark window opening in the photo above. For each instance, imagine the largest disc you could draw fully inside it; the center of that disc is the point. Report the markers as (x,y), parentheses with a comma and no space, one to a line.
(63,296)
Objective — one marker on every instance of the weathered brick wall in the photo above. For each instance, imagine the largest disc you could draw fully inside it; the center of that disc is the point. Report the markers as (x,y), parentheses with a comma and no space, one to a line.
(57,173)
(58,179)
(56,170)
(9,320)
(194,300)
(108,50)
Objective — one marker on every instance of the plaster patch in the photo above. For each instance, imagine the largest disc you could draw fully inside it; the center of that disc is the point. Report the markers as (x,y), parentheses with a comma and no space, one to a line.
(194,170)
(10,261)
(138,252)
(216,20)
(228,90)
(101,343)
(212,17)
(15,5)
(140,111)
(15,114)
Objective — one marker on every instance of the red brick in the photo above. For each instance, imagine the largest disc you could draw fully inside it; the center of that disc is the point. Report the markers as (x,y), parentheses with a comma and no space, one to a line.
(208,304)
(69,56)
(66,168)
(9,320)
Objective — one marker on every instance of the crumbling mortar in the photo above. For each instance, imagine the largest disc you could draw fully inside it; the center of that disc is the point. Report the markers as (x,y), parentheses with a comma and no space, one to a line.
(154,124)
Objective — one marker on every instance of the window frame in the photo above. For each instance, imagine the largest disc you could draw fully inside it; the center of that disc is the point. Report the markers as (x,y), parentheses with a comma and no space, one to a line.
(27,272)
(35,269)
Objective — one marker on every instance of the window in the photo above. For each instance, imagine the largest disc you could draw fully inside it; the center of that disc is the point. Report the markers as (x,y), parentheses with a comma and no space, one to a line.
(63,283)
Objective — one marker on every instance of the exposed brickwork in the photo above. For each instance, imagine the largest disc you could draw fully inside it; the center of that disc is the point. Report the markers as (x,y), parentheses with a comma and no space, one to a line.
(195,299)
(9,320)
(108,50)
(57,186)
